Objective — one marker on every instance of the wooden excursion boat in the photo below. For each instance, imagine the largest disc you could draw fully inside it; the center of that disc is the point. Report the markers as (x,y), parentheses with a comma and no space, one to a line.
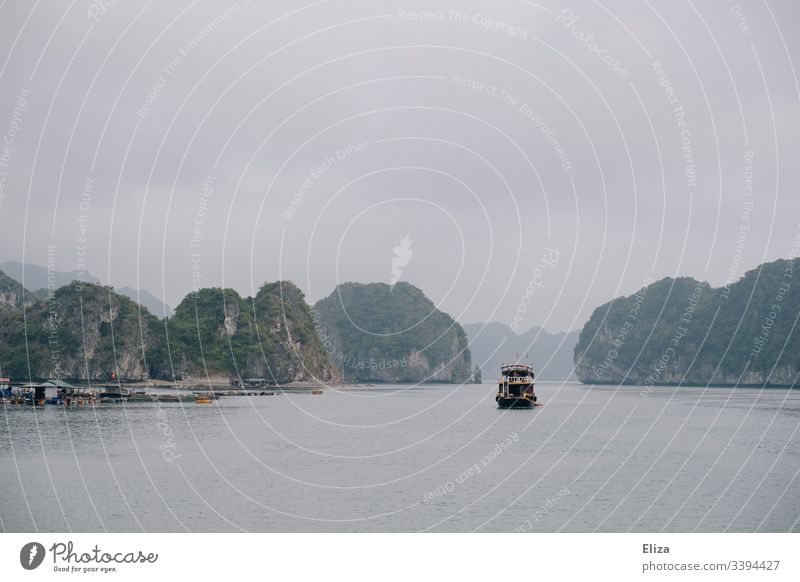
(515,389)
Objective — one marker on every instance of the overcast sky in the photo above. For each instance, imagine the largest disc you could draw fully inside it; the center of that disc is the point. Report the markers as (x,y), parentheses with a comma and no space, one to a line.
(552,154)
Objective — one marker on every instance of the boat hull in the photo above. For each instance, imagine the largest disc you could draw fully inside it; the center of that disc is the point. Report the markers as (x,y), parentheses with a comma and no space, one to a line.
(514,403)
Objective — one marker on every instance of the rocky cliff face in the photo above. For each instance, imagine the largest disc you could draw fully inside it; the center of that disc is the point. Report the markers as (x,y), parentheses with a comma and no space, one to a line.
(378,333)
(90,332)
(271,336)
(80,331)
(682,331)
(12,295)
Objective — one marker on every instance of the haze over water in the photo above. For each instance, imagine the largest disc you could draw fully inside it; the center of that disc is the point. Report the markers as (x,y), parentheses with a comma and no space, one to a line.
(401,458)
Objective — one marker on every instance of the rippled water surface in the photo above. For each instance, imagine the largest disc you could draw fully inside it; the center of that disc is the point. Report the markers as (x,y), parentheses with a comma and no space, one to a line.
(399,458)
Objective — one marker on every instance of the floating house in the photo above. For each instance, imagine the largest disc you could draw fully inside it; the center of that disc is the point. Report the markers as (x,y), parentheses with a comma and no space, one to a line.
(48,391)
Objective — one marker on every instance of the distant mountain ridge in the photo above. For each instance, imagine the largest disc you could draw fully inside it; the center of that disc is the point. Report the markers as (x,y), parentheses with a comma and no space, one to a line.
(683,331)
(37,280)
(493,344)
(36,277)
(153,304)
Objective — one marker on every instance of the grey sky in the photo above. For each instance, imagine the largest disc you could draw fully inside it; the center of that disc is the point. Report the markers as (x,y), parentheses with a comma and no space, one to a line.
(490,132)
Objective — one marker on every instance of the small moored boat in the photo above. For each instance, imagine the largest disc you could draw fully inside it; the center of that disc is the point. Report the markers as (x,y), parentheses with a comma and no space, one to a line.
(204,397)
(515,389)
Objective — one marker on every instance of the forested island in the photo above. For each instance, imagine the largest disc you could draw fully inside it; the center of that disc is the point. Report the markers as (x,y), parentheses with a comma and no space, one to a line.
(391,333)
(87,331)
(683,331)
(673,331)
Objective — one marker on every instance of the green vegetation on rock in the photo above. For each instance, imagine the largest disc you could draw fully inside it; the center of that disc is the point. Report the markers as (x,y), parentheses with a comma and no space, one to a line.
(380,333)
(270,336)
(82,331)
(681,331)
(87,331)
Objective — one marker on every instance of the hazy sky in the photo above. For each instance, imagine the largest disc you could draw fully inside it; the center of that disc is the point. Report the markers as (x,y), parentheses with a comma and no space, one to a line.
(542,153)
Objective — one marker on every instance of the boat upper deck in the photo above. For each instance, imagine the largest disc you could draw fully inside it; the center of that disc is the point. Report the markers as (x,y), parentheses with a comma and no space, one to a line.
(515,369)
(516,374)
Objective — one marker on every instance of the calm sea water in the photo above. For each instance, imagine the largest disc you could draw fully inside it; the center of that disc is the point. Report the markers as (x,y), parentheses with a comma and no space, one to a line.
(400,458)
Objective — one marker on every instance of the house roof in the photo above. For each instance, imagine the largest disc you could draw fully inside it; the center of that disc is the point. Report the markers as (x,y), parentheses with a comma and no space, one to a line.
(50,384)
